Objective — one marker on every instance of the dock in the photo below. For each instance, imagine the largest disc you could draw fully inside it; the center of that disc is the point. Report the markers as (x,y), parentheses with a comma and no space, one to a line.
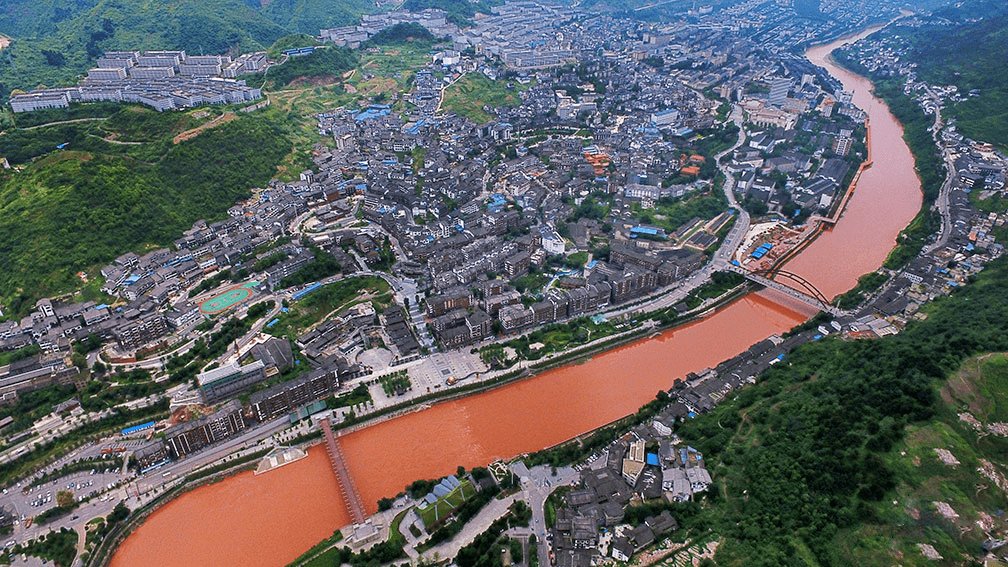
(279,457)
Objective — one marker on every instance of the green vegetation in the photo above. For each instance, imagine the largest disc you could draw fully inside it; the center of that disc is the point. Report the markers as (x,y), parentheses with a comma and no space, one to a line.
(60,547)
(395,383)
(867,284)
(32,406)
(269,261)
(293,41)
(401,34)
(483,551)
(532,282)
(259,309)
(807,455)
(327,299)
(309,16)
(322,266)
(554,502)
(466,512)
(384,552)
(76,208)
(670,213)
(721,283)
(966,484)
(594,207)
(317,549)
(558,337)
(358,395)
(470,94)
(441,509)
(328,63)
(937,51)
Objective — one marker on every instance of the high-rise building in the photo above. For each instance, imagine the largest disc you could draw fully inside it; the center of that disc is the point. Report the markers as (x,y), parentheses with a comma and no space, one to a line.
(778,91)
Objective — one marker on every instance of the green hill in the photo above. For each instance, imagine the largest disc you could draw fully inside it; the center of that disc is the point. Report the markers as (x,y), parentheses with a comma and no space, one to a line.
(120,184)
(54,42)
(829,459)
(938,50)
(309,16)
(984,66)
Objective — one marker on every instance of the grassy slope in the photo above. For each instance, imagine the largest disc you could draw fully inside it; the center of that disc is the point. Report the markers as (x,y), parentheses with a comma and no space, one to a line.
(807,461)
(468,96)
(320,303)
(72,209)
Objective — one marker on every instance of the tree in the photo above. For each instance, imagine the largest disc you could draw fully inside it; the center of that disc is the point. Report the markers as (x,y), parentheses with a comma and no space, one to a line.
(79,360)
(118,514)
(65,499)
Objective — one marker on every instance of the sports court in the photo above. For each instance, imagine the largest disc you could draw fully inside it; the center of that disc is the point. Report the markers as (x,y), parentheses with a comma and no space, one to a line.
(228,299)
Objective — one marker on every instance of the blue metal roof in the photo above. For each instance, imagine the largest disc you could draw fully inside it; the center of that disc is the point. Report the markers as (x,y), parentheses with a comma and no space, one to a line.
(135,428)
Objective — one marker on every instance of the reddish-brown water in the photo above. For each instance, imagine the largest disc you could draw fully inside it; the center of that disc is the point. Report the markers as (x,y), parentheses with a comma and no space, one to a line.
(286,511)
(532,414)
(245,520)
(268,520)
(885,200)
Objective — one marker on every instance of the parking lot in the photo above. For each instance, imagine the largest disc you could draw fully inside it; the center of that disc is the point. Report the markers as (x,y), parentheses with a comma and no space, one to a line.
(36,494)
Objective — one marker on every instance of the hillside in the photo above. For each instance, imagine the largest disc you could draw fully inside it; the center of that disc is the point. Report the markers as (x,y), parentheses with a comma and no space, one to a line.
(309,16)
(53,42)
(950,473)
(826,458)
(118,185)
(938,51)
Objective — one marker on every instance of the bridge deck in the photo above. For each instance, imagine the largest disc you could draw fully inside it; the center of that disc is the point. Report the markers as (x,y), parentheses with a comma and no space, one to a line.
(786,290)
(348,489)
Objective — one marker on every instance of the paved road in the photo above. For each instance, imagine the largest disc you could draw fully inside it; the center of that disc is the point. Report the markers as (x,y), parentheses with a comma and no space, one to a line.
(537,483)
(479,524)
(942,202)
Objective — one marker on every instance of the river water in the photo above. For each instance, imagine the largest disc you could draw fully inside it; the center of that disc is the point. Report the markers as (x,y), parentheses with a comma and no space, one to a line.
(268,520)
(885,200)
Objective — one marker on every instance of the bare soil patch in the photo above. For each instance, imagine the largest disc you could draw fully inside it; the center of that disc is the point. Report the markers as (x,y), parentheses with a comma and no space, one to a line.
(193,132)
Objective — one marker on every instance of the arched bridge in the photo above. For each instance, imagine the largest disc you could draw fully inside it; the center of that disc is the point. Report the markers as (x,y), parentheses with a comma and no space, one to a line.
(809,294)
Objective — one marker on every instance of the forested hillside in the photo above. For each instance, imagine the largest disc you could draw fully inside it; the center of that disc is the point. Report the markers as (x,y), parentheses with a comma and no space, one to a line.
(309,16)
(54,42)
(118,184)
(967,46)
(812,465)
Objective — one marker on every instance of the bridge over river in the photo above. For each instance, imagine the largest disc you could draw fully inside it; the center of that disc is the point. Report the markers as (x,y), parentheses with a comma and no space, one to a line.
(812,296)
(351,497)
